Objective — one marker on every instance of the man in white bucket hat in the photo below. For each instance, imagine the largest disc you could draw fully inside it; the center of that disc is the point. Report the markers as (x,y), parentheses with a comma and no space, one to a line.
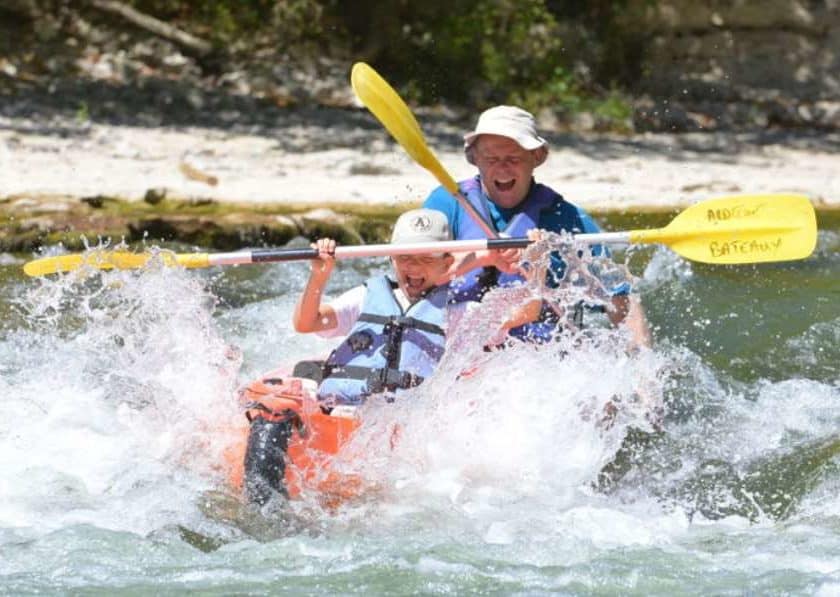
(506,149)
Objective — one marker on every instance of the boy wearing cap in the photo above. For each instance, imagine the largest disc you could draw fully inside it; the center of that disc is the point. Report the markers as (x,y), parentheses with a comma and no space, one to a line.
(506,149)
(395,328)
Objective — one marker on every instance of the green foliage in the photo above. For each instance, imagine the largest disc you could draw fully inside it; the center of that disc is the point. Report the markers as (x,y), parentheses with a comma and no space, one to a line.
(564,95)
(241,20)
(560,91)
(297,19)
(82,113)
(614,107)
(520,42)
(610,44)
(476,50)
(565,55)
(482,52)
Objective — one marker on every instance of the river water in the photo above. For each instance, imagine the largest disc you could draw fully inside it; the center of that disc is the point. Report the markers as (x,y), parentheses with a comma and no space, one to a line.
(117,397)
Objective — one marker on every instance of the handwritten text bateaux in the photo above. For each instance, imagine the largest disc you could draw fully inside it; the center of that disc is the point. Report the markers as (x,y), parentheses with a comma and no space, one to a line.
(744,247)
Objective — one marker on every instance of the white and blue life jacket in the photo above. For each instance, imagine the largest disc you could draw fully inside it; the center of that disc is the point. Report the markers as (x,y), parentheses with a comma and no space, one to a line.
(388,349)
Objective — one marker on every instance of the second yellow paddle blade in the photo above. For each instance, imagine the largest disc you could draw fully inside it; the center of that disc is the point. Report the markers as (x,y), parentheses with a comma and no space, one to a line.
(97,260)
(389,108)
(106,260)
(740,229)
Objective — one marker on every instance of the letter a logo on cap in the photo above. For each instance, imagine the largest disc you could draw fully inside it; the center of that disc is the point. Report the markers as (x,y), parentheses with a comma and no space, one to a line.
(421,224)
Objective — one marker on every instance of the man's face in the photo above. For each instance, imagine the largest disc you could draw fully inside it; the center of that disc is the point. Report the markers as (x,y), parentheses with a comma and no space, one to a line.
(506,169)
(418,273)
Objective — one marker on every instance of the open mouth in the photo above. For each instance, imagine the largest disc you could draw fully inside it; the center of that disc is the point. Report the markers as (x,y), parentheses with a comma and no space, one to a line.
(415,284)
(504,185)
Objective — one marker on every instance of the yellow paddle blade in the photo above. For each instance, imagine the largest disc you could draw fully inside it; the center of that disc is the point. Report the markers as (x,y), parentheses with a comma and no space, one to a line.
(97,260)
(740,229)
(110,260)
(389,108)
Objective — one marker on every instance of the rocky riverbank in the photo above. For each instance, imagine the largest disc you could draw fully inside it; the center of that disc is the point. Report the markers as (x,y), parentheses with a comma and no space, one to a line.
(112,125)
(335,169)
(30,222)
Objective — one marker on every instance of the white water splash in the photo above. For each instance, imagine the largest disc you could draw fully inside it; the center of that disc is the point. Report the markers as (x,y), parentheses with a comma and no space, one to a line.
(529,422)
(115,400)
(498,496)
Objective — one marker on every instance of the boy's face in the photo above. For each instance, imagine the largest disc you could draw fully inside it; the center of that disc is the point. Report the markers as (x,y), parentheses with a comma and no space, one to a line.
(418,273)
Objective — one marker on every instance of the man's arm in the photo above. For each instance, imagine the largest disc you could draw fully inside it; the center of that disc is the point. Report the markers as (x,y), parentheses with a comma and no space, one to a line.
(505,260)
(526,313)
(627,310)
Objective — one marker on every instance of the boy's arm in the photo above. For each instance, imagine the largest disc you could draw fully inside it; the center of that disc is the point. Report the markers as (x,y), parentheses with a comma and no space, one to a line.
(310,315)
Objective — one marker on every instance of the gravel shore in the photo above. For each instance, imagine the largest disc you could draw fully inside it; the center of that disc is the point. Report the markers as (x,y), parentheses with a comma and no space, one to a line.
(344,156)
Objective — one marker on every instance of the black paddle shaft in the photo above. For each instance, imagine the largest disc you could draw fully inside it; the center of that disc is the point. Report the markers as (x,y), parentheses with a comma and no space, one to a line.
(508,243)
(273,255)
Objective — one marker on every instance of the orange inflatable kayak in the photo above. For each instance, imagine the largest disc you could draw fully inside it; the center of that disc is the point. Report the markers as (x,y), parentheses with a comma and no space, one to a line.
(291,443)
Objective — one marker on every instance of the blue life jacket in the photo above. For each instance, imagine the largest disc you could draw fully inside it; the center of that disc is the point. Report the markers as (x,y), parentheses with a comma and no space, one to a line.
(388,349)
(475,283)
(472,286)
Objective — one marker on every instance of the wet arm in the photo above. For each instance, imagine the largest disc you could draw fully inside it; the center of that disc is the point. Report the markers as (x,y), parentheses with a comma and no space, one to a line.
(627,310)
(506,260)
(526,313)
(310,314)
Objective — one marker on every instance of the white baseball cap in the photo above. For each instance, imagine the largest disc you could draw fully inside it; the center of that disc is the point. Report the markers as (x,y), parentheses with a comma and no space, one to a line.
(508,121)
(421,226)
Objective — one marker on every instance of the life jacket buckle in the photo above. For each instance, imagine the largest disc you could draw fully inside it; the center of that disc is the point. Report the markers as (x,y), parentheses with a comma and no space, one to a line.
(392,379)
(360,341)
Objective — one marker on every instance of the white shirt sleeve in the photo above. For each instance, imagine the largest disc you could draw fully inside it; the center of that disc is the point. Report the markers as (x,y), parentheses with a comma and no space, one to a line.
(347,307)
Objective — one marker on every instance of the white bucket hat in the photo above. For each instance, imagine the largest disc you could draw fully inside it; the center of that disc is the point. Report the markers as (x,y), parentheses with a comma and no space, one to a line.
(421,226)
(507,121)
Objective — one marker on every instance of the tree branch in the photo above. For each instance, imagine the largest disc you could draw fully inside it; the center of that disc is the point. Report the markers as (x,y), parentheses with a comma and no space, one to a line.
(192,44)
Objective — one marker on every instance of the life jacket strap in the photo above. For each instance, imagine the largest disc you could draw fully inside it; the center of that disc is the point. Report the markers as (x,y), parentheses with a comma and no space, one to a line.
(379,380)
(402,322)
(487,279)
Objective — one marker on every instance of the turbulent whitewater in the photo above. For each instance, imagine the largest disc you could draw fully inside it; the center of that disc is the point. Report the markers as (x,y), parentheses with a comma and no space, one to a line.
(118,390)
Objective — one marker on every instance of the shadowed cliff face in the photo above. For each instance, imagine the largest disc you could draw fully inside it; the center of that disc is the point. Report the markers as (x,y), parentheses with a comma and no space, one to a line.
(734,64)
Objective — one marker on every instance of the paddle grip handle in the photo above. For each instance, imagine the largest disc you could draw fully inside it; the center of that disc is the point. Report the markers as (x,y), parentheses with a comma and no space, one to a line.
(273,255)
(508,243)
